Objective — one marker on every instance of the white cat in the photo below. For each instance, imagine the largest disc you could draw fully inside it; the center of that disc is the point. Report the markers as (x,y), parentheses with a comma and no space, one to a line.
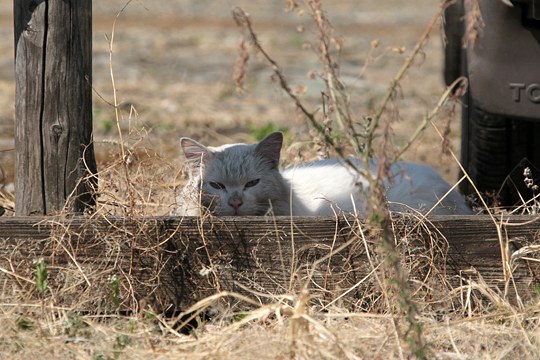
(244,179)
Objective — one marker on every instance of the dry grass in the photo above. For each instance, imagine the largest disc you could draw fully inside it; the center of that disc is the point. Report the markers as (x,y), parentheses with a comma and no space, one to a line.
(359,336)
(305,320)
(471,321)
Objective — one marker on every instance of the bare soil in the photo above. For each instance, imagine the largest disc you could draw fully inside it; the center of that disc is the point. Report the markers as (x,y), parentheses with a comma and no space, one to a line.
(173,63)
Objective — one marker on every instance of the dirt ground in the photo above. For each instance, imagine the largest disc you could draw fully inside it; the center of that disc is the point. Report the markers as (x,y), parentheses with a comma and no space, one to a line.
(173,62)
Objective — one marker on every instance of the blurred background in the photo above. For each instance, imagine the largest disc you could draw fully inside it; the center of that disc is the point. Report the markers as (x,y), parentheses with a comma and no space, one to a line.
(173,62)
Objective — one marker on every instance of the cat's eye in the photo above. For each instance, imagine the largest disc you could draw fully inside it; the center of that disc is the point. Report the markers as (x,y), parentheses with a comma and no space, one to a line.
(252,183)
(216,185)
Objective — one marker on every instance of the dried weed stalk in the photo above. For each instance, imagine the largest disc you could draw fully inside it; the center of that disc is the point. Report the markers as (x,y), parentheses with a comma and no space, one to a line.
(362,135)
(474,23)
(7,200)
(391,292)
(99,277)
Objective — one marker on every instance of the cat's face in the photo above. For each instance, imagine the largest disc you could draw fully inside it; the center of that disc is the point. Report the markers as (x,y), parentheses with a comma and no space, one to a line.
(237,179)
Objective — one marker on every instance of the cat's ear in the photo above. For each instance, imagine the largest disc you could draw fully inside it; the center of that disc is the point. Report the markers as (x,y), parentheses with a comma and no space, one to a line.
(194,152)
(270,146)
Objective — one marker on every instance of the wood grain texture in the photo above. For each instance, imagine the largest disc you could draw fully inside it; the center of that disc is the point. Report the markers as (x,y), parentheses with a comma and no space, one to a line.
(53,68)
(169,263)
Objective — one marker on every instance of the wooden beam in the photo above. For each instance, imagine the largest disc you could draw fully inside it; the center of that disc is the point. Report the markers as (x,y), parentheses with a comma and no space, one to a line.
(53,131)
(168,263)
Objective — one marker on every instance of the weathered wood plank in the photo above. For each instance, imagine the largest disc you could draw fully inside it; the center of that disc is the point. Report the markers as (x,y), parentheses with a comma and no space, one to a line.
(29,46)
(167,262)
(53,68)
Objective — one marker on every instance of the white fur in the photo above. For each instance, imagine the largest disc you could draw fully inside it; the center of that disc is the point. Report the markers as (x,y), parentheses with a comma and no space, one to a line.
(324,187)
(321,188)
(419,187)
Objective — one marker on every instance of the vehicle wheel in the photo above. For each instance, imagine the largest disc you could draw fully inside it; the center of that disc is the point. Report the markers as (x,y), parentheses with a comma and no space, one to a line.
(453,30)
(495,150)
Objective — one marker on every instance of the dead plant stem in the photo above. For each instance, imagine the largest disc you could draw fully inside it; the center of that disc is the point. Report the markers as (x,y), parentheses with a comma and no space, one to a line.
(401,73)
(119,129)
(428,118)
(242,19)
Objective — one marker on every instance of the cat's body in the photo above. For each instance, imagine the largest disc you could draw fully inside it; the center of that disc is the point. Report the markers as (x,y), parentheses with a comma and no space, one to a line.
(242,179)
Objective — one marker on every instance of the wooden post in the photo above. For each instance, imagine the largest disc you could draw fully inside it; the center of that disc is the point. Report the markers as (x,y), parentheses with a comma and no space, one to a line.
(53,132)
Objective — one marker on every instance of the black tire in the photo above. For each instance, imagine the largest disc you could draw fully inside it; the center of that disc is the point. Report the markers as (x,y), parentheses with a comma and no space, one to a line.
(453,31)
(495,150)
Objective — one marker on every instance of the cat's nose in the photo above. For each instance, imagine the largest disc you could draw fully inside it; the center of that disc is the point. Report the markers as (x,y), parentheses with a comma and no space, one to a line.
(235,203)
